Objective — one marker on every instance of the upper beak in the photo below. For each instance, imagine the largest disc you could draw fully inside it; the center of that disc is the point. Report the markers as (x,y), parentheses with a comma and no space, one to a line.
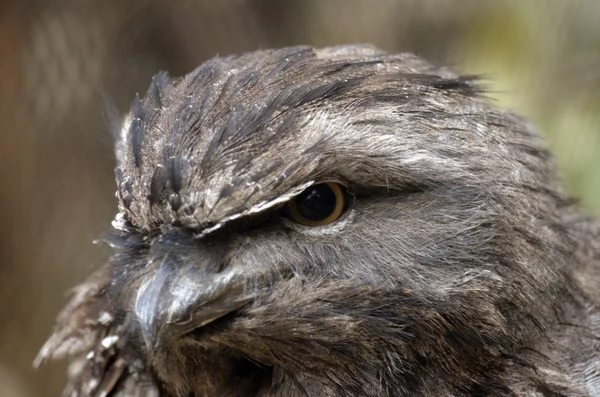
(181,296)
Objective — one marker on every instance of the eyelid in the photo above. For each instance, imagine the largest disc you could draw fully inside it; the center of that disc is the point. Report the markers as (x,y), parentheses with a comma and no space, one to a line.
(324,230)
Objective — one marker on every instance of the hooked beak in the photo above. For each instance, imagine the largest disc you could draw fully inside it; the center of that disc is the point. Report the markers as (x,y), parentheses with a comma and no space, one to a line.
(180,297)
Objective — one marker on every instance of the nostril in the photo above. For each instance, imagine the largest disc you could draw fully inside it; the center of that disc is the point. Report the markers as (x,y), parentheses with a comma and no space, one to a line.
(185,320)
(218,325)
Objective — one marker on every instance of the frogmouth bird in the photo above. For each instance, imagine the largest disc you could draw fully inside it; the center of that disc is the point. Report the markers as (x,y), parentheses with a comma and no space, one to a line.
(334,222)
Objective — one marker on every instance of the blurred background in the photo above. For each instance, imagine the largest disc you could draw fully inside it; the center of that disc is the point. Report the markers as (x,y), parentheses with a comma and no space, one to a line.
(60,60)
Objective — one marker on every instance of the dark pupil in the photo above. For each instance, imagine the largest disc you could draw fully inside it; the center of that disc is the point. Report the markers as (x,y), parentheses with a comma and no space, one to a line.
(316,203)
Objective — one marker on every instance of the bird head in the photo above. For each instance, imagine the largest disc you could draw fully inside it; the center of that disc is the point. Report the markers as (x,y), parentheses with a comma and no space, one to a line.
(334,222)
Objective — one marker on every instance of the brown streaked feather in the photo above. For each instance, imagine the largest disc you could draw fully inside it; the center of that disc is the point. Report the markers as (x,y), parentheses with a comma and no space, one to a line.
(89,330)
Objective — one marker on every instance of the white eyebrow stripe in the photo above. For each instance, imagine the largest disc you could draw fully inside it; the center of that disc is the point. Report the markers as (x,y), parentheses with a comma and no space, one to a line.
(260,207)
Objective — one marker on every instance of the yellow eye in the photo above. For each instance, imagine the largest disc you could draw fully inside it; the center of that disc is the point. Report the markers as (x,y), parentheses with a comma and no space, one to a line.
(318,205)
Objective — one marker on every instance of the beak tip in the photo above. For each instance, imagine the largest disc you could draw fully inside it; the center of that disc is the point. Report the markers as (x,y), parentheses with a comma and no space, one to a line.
(172,302)
(150,341)
(147,317)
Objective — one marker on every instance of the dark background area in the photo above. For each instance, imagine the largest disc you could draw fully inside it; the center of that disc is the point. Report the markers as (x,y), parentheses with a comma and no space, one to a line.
(60,60)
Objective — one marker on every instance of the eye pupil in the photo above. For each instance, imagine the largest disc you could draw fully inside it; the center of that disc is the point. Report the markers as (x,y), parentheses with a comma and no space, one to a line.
(317,202)
(318,205)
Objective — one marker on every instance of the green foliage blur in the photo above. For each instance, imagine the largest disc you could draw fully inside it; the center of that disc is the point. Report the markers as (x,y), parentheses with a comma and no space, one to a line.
(543,61)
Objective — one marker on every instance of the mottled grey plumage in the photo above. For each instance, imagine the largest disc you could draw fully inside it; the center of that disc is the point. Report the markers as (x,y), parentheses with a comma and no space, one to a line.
(459,268)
